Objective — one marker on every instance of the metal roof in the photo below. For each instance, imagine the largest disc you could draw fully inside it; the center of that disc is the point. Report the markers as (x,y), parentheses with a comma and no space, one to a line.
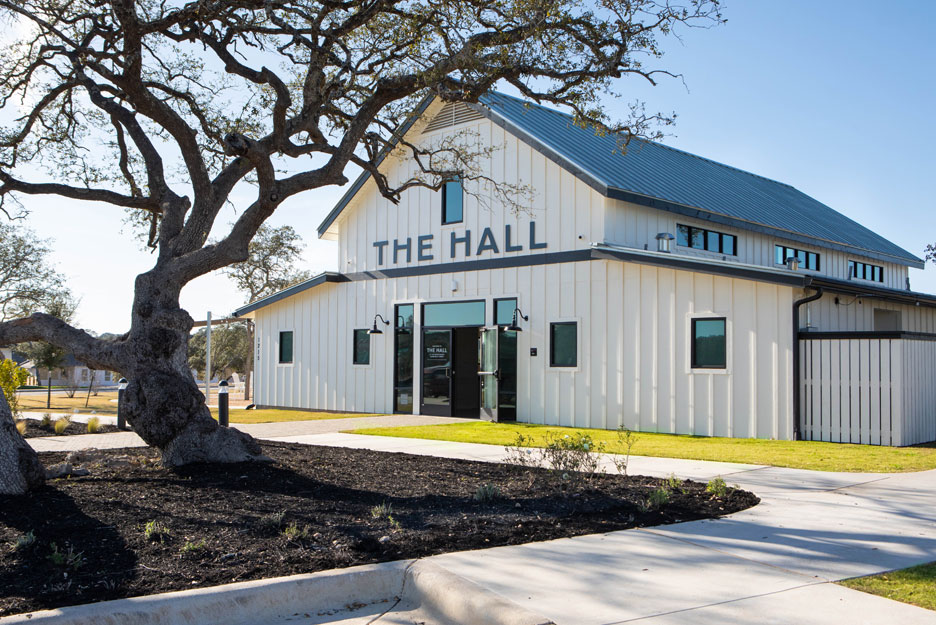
(662,177)
(322,278)
(686,183)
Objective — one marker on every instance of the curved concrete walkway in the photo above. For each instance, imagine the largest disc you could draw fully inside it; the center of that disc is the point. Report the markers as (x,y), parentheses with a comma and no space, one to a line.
(773,563)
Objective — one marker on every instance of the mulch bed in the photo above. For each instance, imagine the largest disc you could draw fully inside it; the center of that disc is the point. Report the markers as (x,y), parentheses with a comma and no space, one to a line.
(314,508)
(35,429)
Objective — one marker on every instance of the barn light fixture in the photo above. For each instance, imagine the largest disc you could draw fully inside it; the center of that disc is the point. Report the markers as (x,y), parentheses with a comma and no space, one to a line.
(514,326)
(375,329)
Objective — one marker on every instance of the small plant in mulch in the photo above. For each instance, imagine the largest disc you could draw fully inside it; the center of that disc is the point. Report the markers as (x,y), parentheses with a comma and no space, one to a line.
(61,425)
(385,511)
(717,487)
(21,427)
(658,498)
(296,533)
(154,531)
(25,541)
(487,493)
(271,524)
(94,425)
(68,559)
(192,548)
(46,422)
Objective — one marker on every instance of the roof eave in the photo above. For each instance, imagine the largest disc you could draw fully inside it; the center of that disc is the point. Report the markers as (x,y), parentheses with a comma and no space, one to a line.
(328,276)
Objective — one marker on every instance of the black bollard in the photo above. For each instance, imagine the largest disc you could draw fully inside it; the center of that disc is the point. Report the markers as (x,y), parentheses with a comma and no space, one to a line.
(121,419)
(223,403)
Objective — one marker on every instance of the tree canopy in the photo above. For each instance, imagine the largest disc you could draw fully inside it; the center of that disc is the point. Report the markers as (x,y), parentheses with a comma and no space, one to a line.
(29,282)
(271,263)
(230,349)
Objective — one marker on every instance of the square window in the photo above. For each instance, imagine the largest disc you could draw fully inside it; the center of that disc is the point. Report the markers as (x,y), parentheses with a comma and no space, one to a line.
(709,345)
(452,202)
(361,351)
(682,235)
(504,310)
(563,344)
(286,347)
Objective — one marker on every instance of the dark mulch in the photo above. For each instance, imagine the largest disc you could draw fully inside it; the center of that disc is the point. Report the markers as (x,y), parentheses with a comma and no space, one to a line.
(35,429)
(313,509)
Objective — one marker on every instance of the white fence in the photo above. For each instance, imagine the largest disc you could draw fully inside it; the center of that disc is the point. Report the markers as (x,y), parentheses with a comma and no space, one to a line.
(868,388)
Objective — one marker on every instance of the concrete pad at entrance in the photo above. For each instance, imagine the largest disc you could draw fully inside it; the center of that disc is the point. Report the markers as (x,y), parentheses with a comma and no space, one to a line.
(610,578)
(819,604)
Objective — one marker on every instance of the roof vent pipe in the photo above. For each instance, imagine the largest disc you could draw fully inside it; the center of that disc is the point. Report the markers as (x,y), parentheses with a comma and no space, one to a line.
(664,242)
(792,263)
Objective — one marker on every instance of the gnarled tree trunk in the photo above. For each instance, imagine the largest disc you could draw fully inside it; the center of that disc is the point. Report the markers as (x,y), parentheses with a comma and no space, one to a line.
(162,402)
(20,469)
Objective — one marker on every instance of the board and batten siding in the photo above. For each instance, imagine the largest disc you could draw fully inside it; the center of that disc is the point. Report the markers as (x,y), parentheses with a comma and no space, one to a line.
(634,352)
(868,391)
(568,213)
(632,225)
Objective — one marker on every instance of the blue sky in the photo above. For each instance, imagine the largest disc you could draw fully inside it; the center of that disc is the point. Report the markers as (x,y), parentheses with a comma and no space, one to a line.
(834,97)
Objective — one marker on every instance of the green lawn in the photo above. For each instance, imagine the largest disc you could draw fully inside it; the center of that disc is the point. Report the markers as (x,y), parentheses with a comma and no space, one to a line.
(916,585)
(273,415)
(800,454)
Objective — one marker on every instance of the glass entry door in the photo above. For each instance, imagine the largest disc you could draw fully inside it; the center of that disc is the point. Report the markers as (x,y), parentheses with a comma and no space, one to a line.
(490,374)
(437,373)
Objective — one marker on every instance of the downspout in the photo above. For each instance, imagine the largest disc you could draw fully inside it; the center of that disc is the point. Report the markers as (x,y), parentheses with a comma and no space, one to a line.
(797,433)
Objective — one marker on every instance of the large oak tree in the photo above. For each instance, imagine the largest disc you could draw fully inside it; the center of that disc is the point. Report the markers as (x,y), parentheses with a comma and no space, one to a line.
(164,108)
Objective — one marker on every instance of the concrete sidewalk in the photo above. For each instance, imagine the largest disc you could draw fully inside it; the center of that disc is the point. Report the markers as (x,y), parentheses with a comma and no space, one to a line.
(770,564)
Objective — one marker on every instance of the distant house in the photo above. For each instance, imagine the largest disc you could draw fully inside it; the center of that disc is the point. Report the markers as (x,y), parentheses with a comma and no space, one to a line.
(73,372)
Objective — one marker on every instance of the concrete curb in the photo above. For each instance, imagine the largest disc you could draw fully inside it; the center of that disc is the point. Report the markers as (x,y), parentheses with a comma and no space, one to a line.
(243,603)
(429,589)
(449,598)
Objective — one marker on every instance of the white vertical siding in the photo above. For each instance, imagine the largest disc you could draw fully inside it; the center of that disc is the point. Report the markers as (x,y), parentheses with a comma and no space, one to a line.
(852,313)
(632,225)
(633,361)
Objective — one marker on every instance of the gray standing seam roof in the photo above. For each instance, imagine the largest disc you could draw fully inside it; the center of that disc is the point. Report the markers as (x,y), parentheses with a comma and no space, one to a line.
(656,175)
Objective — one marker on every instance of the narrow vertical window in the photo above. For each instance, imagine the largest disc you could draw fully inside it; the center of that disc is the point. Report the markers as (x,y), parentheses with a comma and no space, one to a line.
(286,347)
(709,345)
(452,202)
(361,348)
(563,344)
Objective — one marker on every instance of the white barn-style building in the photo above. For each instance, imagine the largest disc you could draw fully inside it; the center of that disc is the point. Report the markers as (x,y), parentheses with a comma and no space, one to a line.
(650,288)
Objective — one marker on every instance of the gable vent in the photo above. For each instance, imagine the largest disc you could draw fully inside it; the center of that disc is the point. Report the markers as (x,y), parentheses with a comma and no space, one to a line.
(452,113)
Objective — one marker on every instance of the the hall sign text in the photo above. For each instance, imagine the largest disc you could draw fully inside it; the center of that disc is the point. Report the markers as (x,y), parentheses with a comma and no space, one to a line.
(459,246)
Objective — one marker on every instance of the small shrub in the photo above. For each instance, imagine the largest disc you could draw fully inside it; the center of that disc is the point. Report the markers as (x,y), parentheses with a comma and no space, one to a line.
(25,541)
(61,425)
(487,493)
(12,376)
(658,498)
(380,511)
(573,457)
(46,421)
(155,531)
(294,532)
(70,390)
(522,453)
(21,427)
(271,523)
(626,440)
(717,487)
(71,559)
(94,425)
(192,547)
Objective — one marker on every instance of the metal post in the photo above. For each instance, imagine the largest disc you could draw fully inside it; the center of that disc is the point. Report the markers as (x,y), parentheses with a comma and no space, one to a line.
(121,419)
(223,403)
(208,359)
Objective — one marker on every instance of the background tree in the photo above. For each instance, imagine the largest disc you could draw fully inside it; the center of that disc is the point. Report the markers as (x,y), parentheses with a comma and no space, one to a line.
(230,349)
(165,108)
(50,356)
(271,263)
(28,280)
(12,376)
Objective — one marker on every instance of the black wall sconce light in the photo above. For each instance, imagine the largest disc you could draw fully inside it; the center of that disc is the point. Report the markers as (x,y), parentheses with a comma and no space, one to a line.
(375,329)
(514,326)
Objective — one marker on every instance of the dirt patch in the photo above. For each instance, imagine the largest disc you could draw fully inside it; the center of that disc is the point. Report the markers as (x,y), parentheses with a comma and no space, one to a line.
(35,429)
(315,508)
